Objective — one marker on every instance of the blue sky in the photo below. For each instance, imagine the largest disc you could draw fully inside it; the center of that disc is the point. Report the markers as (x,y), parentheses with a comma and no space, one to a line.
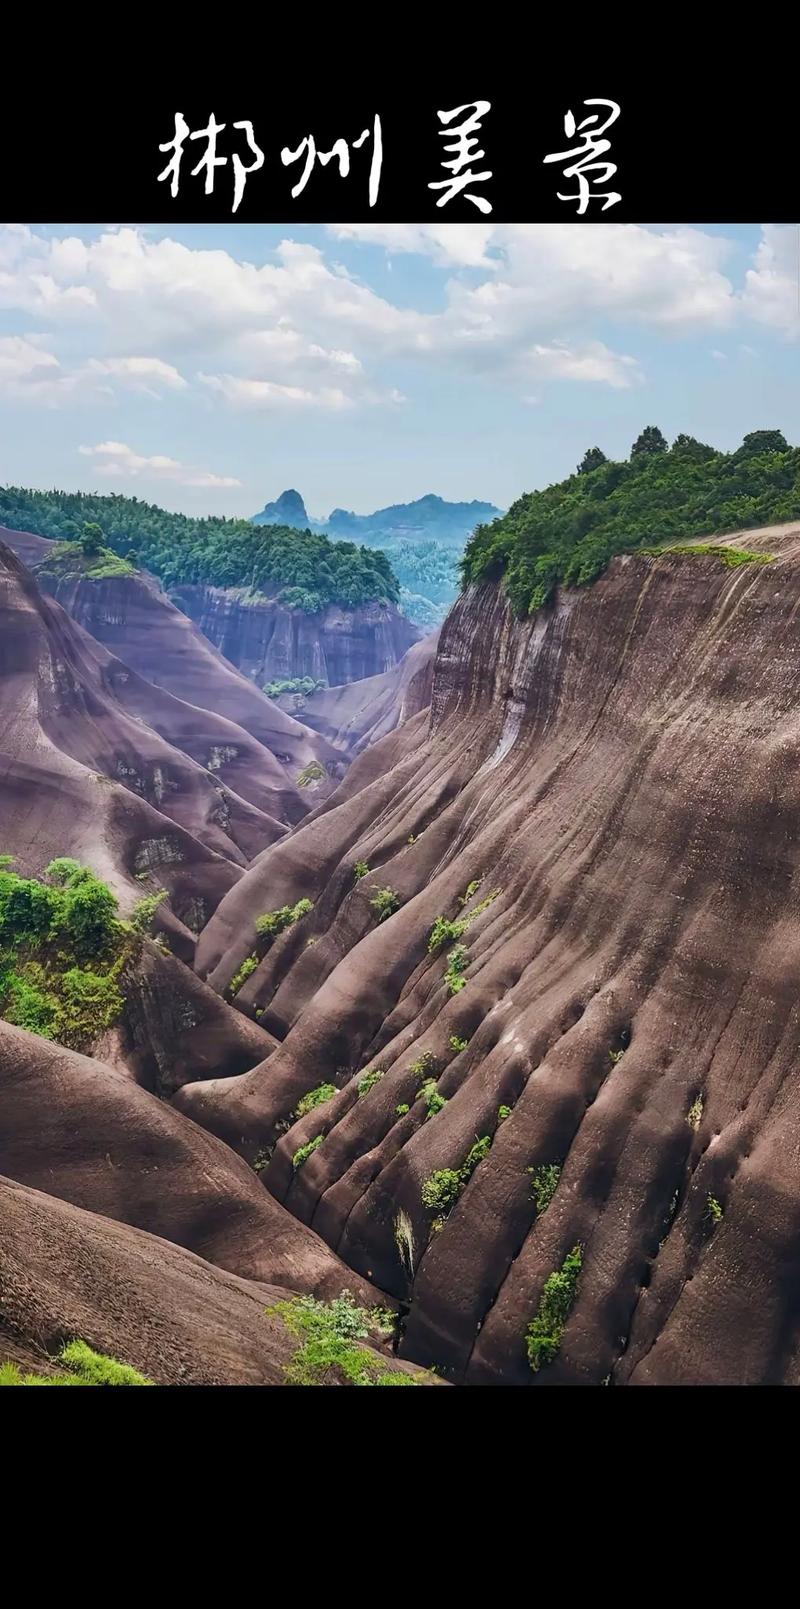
(207,368)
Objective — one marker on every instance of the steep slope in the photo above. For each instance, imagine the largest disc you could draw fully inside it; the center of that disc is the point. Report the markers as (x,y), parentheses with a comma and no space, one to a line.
(586,1114)
(133,618)
(83,1132)
(63,740)
(176,1318)
(266,641)
(356,715)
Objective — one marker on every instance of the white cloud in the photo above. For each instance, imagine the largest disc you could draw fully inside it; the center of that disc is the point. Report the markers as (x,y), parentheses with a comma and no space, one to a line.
(140,374)
(519,301)
(591,362)
(266,396)
(116,460)
(772,287)
(456,245)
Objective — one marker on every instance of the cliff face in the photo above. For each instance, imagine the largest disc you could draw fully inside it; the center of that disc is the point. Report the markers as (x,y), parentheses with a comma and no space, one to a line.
(606,800)
(267,642)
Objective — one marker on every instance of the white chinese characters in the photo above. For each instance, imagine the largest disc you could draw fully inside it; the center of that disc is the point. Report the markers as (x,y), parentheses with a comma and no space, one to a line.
(209,159)
(341,151)
(591,148)
(463,151)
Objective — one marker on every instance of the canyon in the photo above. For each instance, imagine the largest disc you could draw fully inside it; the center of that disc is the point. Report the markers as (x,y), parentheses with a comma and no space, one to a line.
(494,1025)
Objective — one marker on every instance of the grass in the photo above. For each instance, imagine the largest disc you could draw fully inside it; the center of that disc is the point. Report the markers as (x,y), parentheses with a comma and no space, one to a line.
(545,1331)
(732,558)
(85,1368)
(714,1208)
(302,1156)
(329,1333)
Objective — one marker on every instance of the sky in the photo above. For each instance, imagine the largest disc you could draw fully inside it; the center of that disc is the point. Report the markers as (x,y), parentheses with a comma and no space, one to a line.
(209,367)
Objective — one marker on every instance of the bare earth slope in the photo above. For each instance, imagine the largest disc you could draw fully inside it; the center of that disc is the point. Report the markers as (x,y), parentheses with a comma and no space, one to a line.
(132,616)
(80,1131)
(357,714)
(619,777)
(67,1273)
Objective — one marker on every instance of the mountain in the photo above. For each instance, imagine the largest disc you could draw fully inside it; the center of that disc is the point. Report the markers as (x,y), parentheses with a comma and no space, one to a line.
(430,517)
(288,509)
(499,1035)
(424,540)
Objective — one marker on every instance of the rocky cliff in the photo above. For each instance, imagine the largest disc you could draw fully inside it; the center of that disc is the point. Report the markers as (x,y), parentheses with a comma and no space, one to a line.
(555,921)
(267,642)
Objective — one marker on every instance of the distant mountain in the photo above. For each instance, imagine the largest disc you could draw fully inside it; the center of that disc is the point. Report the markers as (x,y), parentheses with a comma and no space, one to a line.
(425,539)
(288,509)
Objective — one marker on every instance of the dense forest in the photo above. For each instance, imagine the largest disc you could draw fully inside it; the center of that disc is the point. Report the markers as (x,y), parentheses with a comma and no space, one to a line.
(661,495)
(304,569)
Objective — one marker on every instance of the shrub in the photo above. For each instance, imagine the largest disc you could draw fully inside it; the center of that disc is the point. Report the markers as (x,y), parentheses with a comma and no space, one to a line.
(426,1063)
(360,869)
(457,1044)
(445,932)
(714,1209)
(141,918)
(315,1097)
(272,923)
(330,1332)
(384,903)
(502,1113)
(90,1004)
(313,772)
(305,1151)
(545,1331)
(441,1191)
(471,888)
(695,1113)
(428,1093)
(402,1109)
(245,971)
(369,1080)
(544,1181)
(457,963)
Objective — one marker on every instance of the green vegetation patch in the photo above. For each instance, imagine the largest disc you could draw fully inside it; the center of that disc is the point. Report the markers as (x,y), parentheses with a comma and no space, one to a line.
(272,923)
(305,1151)
(245,971)
(86,1368)
(330,1333)
(656,501)
(305,685)
(316,1097)
(384,903)
(544,1182)
(63,948)
(442,1189)
(301,569)
(731,557)
(369,1080)
(545,1331)
(313,772)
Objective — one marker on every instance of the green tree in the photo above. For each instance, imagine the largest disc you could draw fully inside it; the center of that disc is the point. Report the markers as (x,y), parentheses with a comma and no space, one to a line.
(651,440)
(763,441)
(91,540)
(593,458)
